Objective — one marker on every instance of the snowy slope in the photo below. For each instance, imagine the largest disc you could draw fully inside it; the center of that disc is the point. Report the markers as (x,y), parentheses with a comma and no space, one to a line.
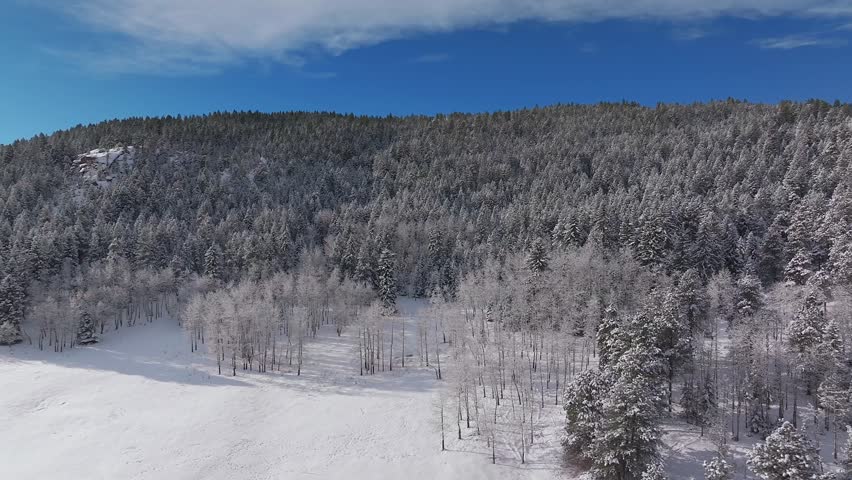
(139,405)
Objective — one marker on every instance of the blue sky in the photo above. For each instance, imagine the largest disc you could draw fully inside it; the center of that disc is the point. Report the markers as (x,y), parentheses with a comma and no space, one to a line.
(82,61)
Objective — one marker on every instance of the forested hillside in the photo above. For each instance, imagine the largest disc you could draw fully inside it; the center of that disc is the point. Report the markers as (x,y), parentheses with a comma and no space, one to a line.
(762,189)
(692,259)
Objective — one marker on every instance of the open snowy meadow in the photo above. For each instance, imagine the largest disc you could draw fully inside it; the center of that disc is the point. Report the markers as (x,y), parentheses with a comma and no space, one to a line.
(140,405)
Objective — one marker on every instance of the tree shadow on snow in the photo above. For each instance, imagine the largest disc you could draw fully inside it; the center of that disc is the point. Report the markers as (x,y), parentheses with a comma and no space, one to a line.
(151,368)
(148,360)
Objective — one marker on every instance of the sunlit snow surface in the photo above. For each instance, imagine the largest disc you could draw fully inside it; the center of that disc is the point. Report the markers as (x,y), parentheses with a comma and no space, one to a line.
(139,405)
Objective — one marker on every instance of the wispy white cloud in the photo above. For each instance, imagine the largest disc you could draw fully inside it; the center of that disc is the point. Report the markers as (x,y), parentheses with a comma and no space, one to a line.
(689,34)
(838,8)
(790,42)
(183,35)
(143,59)
(431,58)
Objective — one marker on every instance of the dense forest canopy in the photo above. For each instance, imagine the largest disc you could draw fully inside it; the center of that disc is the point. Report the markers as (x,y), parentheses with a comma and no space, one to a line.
(751,188)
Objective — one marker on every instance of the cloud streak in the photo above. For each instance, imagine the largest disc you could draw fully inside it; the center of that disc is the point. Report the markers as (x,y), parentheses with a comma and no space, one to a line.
(190,35)
(690,34)
(790,42)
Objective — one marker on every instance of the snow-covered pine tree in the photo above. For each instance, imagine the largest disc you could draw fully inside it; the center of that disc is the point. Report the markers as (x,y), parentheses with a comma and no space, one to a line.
(671,335)
(813,340)
(117,250)
(448,282)
(365,265)
(627,440)
(704,253)
(655,471)
(771,253)
(807,328)
(86,330)
(749,296)
(649,242)
(583,404)
(537,257)
(387,279)
(840,259)
(785,455)
(799,268)
(573,233)
(348,259)
(435,249)
(693,300)
(718,469)
(609,337)
(11,311)
(558,235)
(213,262)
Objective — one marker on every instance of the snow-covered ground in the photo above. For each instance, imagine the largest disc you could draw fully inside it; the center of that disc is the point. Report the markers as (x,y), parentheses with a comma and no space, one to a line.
(139,405)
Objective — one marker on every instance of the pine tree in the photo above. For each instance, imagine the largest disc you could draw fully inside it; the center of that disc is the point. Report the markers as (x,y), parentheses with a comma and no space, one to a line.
(365,266)
(573,234)
(178,266)
(213,262)
(749,296)
(770,256)
(348,258)
(814,340)
(558,235)
(718,469)
(671,335)
(799,269)
(86,330)
(11,311)
(649,244)
(705,255)
(537,257)
(655,471)
(806,330)
(626,442)
(609,337)
(117,250)
(692,298)
(387,279)
(628,437)
(840,259)
(436,249)
(448,281)
(284,247)
(785,455)
(583,405)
